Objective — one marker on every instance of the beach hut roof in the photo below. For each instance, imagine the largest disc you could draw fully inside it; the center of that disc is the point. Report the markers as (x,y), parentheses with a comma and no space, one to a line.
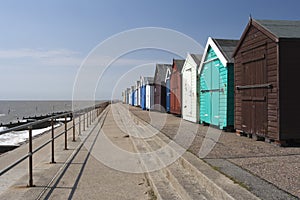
(196,58)
(149,80)
(281,28)
(275,29)
(179,64)
(160,72)
(226,47)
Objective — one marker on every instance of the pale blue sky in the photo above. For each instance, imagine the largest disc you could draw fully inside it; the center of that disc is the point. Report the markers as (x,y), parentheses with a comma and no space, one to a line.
(42,43)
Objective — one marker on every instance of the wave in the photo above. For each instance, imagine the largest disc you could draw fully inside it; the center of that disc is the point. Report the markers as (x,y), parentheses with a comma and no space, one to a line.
(2,128)
(15,138)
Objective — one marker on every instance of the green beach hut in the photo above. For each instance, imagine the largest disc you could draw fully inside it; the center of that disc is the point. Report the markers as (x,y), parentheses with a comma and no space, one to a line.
(216,84)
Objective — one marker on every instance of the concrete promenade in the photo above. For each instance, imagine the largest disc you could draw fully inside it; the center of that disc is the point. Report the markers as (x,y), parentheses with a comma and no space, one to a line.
(121,156)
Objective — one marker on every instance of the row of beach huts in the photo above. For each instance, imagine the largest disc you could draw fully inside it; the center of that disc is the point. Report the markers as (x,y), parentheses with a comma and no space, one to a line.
(248,85)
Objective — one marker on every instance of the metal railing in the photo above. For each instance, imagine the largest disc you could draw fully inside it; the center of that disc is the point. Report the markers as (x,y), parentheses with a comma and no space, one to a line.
(85,116)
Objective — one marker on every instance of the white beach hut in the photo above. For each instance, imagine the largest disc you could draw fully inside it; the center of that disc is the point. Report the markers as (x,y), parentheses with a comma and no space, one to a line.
(149,82)
(190,107)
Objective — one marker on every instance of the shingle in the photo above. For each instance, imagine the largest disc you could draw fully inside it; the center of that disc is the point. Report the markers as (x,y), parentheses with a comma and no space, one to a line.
(197,58)
(281,28)
(148,80)
(227,47)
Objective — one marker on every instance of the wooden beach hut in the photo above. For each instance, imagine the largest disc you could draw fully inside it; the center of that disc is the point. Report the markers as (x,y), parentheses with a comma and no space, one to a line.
(189,87)
(168,90)
(216,79)
(131,95)
(143,93)
(175,87)
(147,92)
(149,83)
(138,93)
(124,96)
(127,95)
(135,95)
(160,87)
(266,69)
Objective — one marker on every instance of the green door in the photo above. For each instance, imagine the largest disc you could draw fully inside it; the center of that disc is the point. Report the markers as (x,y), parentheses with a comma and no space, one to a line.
(215,92)
(205,96)
(210,93)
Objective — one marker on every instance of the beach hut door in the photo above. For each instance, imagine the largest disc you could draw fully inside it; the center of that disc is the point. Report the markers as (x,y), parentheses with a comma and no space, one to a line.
(210,92)
(188,90)
(254,97)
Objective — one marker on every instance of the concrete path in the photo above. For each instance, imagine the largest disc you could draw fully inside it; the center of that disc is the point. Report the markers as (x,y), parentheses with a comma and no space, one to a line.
(77,174)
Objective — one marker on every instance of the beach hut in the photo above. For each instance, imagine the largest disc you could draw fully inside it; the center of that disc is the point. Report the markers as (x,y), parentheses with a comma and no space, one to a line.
(130,96)
(147,93)
(143,93)
(168,91)
(175,87)
(189,87)
(123,96)
(216,90)
(135,96)
(149,86)
(160,87)
(138,93)
(266,69)
(127,95)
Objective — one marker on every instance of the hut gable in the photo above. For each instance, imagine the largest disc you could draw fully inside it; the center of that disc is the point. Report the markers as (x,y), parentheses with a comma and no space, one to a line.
(223,49)
(160,72)
(177,65)
(191,60)
(160,86)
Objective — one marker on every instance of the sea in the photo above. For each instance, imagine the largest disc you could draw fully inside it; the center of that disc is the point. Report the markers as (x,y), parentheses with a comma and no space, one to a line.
(14,111)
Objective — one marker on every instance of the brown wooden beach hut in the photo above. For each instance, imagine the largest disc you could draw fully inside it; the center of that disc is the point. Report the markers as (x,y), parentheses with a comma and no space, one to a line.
(267,67)
(161,72)
(175,87)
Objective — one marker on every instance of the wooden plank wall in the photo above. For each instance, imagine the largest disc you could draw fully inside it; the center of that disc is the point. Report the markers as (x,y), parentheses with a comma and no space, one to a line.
(255,38)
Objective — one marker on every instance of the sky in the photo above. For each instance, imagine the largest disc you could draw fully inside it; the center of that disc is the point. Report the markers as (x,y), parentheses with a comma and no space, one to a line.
(47,46)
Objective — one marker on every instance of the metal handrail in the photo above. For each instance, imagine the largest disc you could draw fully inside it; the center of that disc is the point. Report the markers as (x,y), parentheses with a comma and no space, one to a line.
(29,126)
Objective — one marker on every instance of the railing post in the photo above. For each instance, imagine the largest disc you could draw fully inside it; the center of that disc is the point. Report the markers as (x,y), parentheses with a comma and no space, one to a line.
(87,119)
(94,115)
(90,117)
(74,139)
(52,141)
(79,125)
(66,135)
(83,121)
(30,183)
